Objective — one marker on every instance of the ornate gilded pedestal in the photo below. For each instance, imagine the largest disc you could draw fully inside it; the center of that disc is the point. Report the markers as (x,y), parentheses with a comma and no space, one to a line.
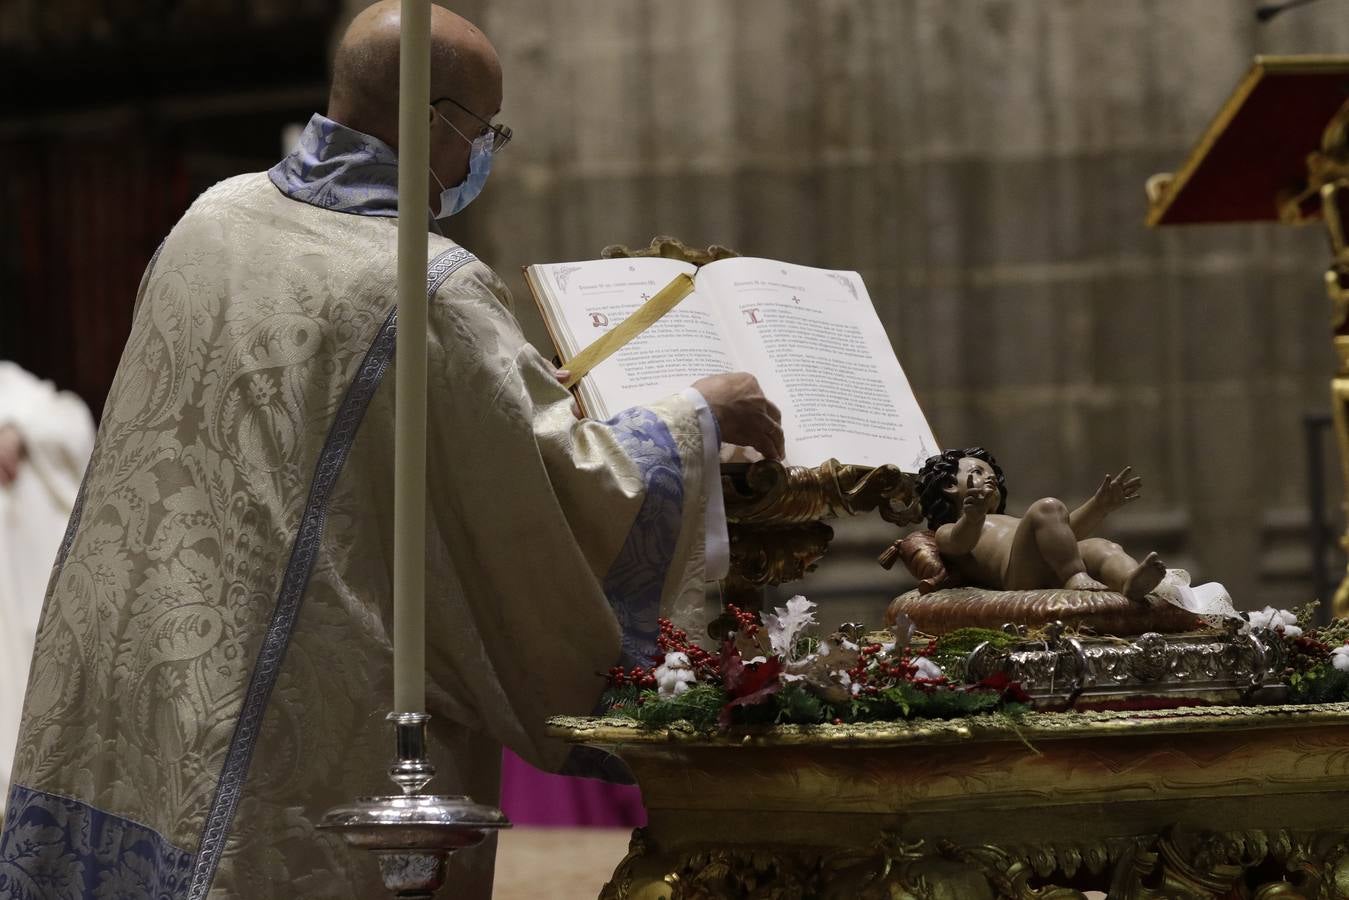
(1333,187)
(1199,802)
(1218,802)
(1278,150)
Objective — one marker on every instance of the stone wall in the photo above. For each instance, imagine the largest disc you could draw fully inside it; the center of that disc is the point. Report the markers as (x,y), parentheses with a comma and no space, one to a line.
(981,163)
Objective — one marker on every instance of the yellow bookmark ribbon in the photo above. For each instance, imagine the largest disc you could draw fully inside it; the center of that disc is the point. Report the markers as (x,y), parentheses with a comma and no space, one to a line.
(642,318)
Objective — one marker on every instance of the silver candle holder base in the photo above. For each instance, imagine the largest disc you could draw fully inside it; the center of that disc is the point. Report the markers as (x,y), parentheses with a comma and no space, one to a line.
(412,834)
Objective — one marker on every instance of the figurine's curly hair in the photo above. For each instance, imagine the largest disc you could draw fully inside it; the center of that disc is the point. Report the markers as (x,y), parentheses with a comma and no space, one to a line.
(939,472)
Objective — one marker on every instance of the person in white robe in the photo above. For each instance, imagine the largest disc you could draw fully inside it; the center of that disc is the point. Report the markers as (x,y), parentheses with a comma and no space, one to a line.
(45,439)
(213,665)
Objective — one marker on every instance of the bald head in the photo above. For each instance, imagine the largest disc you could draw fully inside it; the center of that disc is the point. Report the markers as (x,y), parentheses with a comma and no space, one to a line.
(364,93)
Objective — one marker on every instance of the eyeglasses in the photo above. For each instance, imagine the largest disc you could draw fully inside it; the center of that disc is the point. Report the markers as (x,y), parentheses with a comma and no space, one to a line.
(501,134)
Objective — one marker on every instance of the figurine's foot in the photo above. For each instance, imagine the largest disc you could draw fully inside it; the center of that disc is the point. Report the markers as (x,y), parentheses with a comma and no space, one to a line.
(1083,582)
(1147,576)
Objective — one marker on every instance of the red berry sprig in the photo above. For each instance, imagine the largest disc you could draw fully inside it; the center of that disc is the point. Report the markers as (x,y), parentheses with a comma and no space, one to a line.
(637,676)
(746,622)
(676,640)
(866,656)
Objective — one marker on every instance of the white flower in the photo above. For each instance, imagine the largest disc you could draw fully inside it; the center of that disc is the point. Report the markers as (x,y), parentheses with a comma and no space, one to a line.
(903,629)
(675,675)
(927,669)
(1339,658)
(1280,620)
(786,626)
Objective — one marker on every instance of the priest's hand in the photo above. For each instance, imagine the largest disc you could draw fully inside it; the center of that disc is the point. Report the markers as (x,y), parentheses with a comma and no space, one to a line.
(562,375)
(744,414)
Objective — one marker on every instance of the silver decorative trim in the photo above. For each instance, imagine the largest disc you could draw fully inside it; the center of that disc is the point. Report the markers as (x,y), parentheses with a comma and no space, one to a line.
(412,835)
(412,769)
(1064,672)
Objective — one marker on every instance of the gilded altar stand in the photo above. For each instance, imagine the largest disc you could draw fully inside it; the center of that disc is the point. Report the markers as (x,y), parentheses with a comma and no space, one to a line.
(1211,802)
(1170,799)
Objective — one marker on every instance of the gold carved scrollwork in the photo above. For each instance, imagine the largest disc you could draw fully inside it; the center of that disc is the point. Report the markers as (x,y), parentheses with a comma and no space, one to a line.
(670,248)
(1326,191)
(1262,865)
(775,516)
(1176,865)
(711,873)
(910,870)
(767,556)
(893,870)
(1337,275)
(769,493)
(1325,167)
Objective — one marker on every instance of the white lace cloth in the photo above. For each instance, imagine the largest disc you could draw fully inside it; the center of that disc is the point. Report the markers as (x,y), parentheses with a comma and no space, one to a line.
(1209,601)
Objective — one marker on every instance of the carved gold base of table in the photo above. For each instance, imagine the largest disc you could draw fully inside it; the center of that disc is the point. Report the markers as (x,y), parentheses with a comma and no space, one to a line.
(1216,802)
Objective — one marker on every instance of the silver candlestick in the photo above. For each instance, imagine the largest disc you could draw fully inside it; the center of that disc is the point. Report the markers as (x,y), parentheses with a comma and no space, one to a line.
(412,834)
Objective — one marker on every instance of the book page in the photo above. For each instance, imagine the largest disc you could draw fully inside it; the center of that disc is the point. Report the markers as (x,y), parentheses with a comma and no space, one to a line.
(820,352)
(590,298)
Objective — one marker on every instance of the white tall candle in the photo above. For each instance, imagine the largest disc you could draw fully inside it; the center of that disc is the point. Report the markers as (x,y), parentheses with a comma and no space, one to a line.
(409,540)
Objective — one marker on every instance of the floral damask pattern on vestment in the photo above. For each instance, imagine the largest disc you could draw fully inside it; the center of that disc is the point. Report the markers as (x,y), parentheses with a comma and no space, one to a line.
(633,583)
(56,847)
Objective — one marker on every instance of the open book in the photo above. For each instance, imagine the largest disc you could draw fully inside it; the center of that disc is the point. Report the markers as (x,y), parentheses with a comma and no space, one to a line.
(811,337)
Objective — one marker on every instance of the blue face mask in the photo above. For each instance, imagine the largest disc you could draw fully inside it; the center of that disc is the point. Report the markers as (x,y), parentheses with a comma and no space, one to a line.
(456,197)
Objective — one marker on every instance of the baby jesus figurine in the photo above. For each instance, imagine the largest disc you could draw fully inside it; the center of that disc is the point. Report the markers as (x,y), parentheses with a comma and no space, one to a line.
(963,494)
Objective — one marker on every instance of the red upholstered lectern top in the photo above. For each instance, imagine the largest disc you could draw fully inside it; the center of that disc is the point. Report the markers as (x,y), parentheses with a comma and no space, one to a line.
(1255,151)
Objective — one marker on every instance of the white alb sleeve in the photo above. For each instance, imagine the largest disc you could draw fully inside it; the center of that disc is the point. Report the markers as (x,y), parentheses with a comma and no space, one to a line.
(717,543)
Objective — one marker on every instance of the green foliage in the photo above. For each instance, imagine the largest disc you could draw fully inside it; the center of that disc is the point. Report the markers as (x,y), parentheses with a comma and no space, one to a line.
(795,704)
(805,645)
(619,702)
(1334,633)
(907,701)
(698,706)
(798,706)
(1322,684)
(1306,614)
(888,704)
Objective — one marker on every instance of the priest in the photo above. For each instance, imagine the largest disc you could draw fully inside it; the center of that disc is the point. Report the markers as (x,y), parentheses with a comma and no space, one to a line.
(213,663)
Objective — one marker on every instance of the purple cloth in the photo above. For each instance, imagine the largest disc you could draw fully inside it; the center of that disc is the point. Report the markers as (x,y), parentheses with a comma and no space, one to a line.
(532,797)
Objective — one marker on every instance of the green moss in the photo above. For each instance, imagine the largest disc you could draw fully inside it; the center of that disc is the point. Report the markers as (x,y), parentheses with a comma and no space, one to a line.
(952,648)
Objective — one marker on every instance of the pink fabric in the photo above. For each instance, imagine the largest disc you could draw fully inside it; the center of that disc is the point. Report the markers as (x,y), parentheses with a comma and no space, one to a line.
(533,797)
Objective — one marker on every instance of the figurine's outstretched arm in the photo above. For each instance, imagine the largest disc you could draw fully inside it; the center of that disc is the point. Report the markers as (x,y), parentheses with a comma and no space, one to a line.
(1113,493)
(959,537)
